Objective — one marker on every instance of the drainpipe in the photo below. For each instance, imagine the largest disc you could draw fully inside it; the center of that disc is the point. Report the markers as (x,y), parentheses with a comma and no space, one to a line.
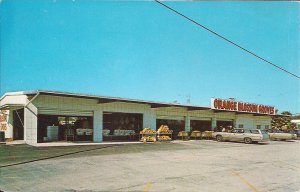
(32,99)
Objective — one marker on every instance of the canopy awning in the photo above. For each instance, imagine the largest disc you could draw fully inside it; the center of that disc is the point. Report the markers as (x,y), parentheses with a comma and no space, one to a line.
(11,106)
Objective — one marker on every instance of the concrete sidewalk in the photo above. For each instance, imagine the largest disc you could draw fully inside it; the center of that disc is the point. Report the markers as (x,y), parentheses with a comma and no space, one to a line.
(82,143)
(64,144)
(70,143)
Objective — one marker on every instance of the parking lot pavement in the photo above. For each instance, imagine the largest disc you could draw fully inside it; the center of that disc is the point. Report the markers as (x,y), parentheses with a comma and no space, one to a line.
(179,166)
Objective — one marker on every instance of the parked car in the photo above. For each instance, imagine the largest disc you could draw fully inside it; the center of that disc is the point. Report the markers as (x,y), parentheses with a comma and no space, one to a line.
(279,135)
(242,135)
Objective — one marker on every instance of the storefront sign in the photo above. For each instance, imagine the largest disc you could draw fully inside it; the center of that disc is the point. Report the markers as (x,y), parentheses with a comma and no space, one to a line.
(231,105)
(3,127)
(3,121)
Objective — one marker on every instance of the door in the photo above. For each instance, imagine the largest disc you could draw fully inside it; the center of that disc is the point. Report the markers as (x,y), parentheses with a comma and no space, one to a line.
(239,135)
(227,136)
(236,135)
(18,124)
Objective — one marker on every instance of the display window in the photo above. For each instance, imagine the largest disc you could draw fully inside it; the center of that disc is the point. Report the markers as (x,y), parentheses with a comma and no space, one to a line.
(18,124)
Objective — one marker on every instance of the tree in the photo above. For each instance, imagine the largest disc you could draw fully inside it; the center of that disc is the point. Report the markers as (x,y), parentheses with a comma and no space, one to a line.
(283,122)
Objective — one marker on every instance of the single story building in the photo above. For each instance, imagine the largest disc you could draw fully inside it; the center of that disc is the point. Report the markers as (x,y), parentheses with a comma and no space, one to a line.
(297,122)
(43,116)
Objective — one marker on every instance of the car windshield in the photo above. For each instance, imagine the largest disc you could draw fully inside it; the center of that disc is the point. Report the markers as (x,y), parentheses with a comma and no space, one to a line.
(238,131)
(263,131)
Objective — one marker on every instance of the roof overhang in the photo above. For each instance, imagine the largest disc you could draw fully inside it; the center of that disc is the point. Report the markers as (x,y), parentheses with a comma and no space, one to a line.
(192,108)
(107,99)
(243,113)
(11,107)
(258,114)
(222,111)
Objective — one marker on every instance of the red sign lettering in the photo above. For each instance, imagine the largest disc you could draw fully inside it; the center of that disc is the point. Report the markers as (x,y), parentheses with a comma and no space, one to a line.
(232,105)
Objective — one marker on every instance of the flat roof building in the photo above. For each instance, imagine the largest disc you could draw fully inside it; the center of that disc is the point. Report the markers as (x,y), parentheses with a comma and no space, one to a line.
(44,116)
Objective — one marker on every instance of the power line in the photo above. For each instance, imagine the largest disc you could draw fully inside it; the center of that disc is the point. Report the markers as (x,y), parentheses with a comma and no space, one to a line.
(229,41)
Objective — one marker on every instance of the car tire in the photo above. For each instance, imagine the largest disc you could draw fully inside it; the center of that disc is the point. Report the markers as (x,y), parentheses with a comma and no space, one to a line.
(248,140)
(219,138)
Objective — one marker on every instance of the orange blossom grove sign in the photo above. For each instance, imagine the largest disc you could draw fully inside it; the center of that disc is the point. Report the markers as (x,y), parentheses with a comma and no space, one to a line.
(232,105)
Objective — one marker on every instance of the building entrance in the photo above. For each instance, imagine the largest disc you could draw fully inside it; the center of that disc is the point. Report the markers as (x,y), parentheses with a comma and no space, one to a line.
(18,124)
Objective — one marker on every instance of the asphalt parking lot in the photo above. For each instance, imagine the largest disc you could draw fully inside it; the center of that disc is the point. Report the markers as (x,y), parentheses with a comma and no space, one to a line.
(179,166)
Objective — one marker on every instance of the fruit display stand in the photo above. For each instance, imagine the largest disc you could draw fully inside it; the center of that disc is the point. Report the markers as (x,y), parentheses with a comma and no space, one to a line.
(147,135)
(183,135)
(164,133)
(207,134)
(195,135)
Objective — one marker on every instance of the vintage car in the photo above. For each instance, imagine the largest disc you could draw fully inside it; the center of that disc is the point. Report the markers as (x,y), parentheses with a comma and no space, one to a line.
(279,135)
(242,135)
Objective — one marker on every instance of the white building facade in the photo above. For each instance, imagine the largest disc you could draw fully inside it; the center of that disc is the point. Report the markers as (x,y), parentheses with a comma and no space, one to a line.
(26,115)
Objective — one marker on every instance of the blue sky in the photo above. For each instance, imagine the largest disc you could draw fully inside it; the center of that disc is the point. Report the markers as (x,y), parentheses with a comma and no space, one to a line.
(139,49)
